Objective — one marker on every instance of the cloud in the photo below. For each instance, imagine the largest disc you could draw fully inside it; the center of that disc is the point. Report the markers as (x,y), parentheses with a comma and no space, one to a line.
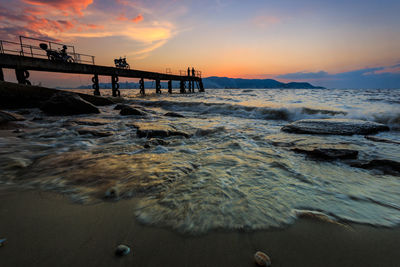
(67,6)
(377,77)
(137,19)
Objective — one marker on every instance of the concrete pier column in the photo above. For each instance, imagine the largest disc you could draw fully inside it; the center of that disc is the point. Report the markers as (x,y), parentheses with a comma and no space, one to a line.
(1,75)
(22,76)
(170,86)
(115,86)
(158,87)
(201,86)
(182,87)
(190,86)
(141,84)
(96,85)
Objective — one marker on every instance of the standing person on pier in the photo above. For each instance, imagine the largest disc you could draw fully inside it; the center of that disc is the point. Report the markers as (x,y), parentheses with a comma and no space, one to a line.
(188,71)
(193,72)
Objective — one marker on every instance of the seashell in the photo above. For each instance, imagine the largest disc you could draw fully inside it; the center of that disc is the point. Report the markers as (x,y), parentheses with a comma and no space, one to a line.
(122,250)
(262,259)
(112,193)
(2,241)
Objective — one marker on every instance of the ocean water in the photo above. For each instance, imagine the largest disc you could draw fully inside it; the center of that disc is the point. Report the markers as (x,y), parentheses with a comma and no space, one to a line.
(236,171)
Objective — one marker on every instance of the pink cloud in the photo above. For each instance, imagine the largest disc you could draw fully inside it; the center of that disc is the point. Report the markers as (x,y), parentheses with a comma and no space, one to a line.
(137,19)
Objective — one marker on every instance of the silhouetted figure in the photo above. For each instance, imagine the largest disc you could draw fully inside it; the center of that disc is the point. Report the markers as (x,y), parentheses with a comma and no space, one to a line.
(188,71)
(193,72)
(64,51)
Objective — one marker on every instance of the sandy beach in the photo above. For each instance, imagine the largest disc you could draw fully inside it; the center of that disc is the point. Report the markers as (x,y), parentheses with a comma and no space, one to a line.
(47,229)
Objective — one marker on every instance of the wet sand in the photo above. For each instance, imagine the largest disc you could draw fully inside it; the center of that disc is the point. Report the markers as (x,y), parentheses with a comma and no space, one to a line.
(46,229)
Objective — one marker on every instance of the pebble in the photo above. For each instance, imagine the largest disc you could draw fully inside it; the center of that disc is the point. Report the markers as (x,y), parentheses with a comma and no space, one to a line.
(122,250)
(262,259)
(112,193)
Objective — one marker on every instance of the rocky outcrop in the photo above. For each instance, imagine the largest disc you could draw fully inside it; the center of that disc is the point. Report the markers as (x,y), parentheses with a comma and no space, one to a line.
(127,110)
(68,104)
(382,140)
(386,166)
(334,126)
(120,106)
(174,114)
(328,153)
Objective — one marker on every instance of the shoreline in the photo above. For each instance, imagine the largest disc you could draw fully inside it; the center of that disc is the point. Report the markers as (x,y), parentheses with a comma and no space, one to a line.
(47,229)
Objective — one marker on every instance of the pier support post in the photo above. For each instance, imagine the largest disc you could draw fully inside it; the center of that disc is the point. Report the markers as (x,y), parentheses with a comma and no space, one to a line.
(158,87)
(170,86)
(141,84)
(182,87)
(115,86)
(22,76)
(96,85)
(201,86)
(190,86)
(1,75)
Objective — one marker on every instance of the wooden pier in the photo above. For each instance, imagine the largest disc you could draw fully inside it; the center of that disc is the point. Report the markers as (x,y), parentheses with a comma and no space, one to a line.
(24,62)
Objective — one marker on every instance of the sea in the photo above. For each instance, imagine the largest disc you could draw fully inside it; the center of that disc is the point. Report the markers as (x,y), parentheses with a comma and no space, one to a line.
(236,171)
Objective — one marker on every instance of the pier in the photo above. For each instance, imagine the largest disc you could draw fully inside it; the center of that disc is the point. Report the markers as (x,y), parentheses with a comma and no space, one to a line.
(24,57)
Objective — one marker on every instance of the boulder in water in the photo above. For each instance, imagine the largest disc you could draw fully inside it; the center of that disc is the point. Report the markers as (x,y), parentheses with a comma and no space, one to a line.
(120,106)
(97,133)
(174,114)
(334,126)
(328,153)
(8,116)
(68,104)
(153,130)
(155,142)
(127,110)
(386,166)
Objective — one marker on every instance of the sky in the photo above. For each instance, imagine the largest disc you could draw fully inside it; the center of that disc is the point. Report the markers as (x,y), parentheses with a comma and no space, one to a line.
(332,43)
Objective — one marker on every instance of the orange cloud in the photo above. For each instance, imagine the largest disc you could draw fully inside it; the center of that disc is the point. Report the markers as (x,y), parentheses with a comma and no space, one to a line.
(138,19)
(76,6)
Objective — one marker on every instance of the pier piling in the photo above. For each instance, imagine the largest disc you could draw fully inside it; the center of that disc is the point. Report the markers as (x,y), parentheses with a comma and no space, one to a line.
(170,86)
(22,76)
(158,87)
(1,75)
(182,87)
(141,84)
(115,86)
(96,85)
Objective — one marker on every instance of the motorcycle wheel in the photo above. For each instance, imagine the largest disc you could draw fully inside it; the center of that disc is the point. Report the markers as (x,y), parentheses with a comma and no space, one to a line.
(70,60)
(52,57)
(128,67)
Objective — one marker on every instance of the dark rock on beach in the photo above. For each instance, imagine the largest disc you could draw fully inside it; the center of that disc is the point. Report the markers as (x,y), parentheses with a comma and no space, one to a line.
(14,95)
(120,106)
(68,104)
(382,140)
(127,110)
(155,142)
(386,166)
(334,126)
(174,114)
(328,153)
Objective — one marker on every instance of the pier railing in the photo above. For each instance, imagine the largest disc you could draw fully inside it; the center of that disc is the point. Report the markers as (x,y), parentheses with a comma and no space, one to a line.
(29,47)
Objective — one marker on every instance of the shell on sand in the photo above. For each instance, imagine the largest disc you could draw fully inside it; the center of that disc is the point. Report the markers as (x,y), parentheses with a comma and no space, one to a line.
(262,259)
(122,250)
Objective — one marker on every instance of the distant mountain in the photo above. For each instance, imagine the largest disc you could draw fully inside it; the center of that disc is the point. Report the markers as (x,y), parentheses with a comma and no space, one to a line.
(224,82)
(218,83)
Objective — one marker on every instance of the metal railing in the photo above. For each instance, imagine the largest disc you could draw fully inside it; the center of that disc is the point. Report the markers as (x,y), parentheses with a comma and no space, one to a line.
(32,49)
(197,73)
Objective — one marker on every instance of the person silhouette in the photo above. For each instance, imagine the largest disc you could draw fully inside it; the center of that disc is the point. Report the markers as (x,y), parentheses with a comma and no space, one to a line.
(193,72)
(188,71)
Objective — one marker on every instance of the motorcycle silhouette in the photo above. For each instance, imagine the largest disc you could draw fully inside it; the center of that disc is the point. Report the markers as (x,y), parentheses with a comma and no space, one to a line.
(121,63)
(57,55)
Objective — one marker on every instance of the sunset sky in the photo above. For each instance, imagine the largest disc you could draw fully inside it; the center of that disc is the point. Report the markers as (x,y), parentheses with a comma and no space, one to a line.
(334,43)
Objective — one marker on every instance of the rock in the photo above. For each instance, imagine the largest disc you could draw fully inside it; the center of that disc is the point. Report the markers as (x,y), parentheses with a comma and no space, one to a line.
(90,121)
(2,241)
(383,140)
(262,259)
(83,131)
(68,104)
(319,216)
(112,193)
(334,126)
(37,119)
(122,250)
(8,116)
(155,142)
(96,100)
(120,106)
(174,114)
(328,153)
(127,110)
(386,166)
